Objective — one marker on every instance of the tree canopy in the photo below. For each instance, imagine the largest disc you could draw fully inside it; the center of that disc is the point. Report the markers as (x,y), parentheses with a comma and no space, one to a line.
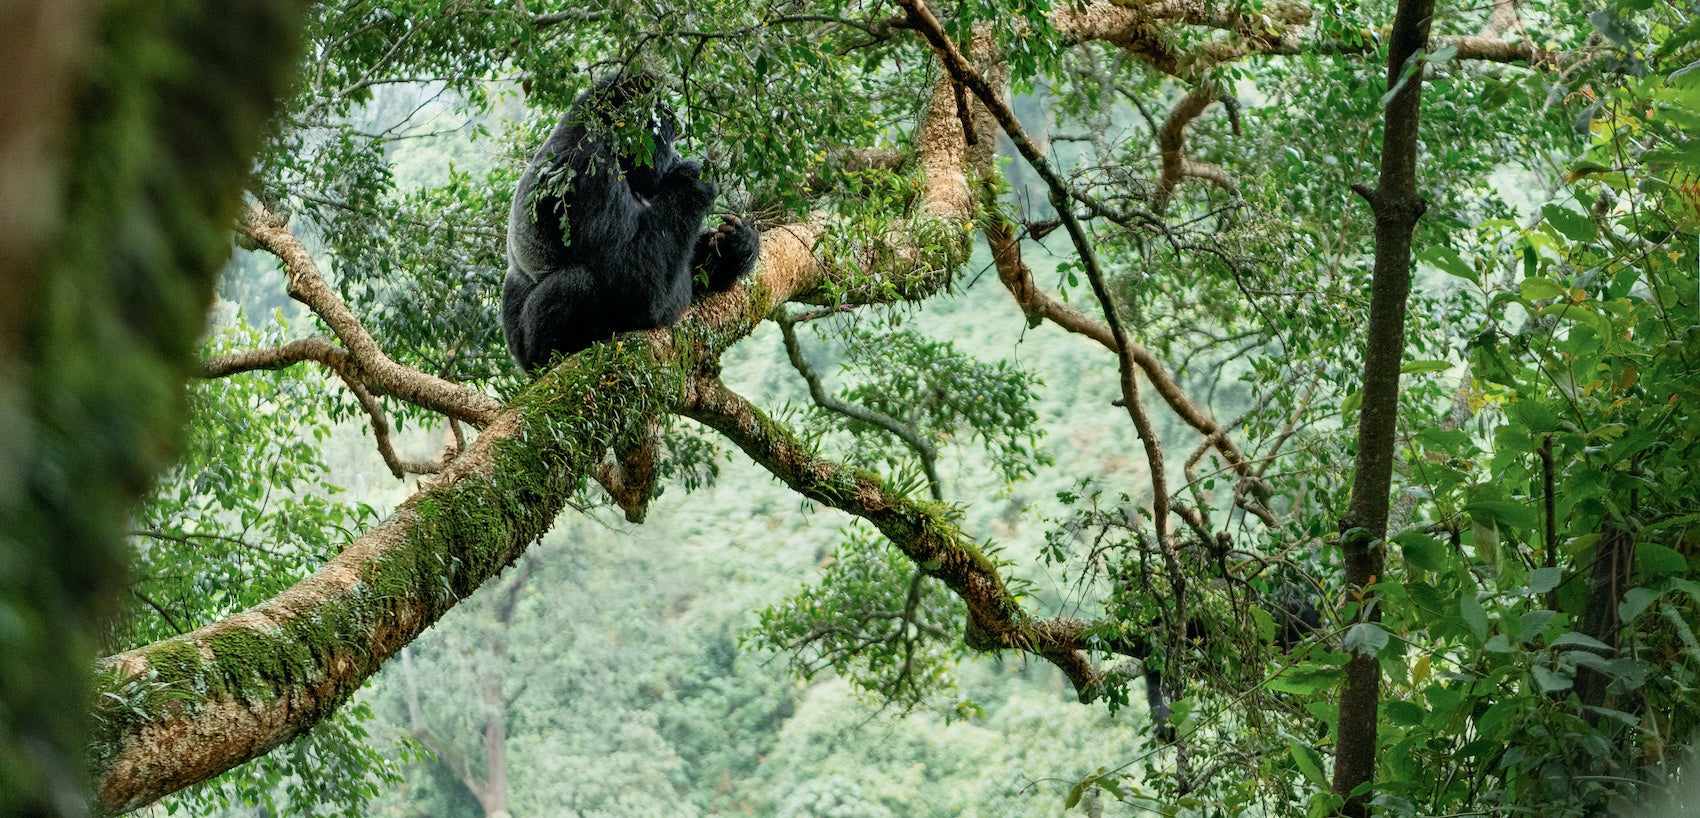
(1340,410)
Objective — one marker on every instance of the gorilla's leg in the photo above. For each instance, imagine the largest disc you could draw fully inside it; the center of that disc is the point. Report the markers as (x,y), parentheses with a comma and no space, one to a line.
(516,288)
(565,312)
(725,254)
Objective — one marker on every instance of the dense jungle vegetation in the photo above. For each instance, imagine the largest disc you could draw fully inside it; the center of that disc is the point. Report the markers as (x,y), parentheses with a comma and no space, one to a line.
(1184,407)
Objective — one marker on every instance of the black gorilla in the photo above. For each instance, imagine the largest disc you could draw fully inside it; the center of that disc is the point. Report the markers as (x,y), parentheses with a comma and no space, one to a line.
(600,242)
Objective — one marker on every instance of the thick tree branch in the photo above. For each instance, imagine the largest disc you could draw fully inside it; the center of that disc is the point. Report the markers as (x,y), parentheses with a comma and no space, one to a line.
(338,360)
(1172,145)
(1141,29)
(283,356)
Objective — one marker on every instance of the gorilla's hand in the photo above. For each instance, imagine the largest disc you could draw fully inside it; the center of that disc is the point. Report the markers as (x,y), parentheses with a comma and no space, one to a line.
(733,240)
(725,254)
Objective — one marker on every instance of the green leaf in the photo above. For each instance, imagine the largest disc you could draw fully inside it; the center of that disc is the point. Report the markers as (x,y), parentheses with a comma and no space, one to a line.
(1075,794)
(1653,560)
(1448,261)
(1542,580)
(1305,680)
(1475,618)
(1265,623)
(1308,762)
(1635,440)
(1490,722)
(1539,289)
(1366,639)
(1532,624)
(1570,224)
(1635,602)
(1580,640)
(1551,681)
(1422,551)
(1504,513)
(1403,712)
(1536,416)
(1416,367)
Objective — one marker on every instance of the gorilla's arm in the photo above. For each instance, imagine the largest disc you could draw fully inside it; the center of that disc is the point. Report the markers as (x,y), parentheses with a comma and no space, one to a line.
(570,205)
(654,266)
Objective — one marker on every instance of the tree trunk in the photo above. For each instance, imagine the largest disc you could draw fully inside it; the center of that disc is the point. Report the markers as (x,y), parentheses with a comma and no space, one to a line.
(1610,577)
(1397,206)
(126,131)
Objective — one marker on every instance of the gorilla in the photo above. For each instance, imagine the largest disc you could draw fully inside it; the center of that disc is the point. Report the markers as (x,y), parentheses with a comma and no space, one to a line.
(605,232)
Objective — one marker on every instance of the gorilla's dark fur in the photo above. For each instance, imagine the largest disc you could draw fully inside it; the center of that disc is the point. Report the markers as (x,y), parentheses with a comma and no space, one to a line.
(601,242)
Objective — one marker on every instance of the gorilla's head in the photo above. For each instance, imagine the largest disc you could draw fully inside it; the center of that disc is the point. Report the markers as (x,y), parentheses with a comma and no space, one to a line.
(625,109)
(644,173)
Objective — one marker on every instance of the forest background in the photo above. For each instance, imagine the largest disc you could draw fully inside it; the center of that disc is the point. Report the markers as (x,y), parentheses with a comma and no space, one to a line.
(1118,407)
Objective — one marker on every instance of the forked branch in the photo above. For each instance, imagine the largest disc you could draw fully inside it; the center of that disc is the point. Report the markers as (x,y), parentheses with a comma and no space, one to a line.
(1144,30)
(377,368)
(336,359)
(330,632)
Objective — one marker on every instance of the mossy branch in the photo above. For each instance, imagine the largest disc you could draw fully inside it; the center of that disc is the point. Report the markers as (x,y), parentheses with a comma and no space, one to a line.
(1147,31)
(193,706)
(924,531)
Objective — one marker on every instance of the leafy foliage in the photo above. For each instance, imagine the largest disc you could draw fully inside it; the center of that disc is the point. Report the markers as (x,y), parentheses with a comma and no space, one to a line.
(1537,617)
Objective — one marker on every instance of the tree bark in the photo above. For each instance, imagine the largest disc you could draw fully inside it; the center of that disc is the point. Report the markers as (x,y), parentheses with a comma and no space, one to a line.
(1610,576)
(126,131)
(1397,206)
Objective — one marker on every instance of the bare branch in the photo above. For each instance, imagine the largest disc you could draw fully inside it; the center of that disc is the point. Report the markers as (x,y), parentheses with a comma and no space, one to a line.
(399,466)
(1172,143)
(170,621)
(337,359)
(308,286)
(906,432)
(1040,305)
(319,350)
